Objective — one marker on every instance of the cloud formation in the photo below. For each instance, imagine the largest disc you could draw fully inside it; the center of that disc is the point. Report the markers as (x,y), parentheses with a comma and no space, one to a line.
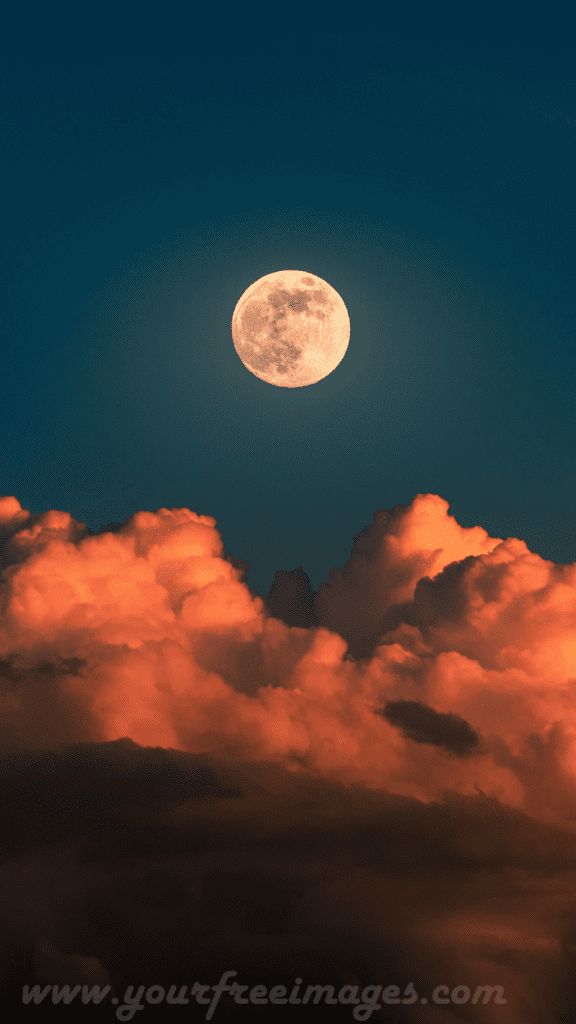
(149,632)
(164,736)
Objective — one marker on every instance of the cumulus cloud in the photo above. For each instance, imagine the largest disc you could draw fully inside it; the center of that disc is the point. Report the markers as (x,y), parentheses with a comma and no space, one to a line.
(429,686)
(150,632)
(363,600)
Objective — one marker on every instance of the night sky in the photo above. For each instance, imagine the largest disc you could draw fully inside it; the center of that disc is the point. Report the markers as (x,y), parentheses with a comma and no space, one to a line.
(156,160)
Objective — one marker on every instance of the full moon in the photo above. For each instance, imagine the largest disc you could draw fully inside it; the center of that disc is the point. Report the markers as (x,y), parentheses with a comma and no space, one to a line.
(290,328)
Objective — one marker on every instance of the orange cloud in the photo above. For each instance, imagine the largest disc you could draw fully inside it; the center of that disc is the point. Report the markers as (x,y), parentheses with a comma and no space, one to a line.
(149,632)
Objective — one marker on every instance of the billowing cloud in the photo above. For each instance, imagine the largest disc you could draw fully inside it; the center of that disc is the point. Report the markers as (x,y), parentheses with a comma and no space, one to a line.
(416,717)
(149,632)
(362,601)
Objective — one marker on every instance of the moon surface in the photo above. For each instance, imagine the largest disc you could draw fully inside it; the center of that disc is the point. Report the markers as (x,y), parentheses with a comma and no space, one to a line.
(290,328)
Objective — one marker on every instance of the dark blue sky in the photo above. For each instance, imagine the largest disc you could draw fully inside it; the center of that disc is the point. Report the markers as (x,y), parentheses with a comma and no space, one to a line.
(157,160)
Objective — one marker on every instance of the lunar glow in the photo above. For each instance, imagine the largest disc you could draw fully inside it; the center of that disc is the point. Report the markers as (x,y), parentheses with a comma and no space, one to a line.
(290,328)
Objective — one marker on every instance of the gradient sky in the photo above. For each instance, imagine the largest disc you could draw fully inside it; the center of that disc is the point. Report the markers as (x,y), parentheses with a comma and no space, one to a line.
(156,161)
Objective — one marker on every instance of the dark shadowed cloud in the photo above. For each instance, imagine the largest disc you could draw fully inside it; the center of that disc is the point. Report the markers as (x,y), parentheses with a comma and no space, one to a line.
(291,598)
(425,725)
(158,867)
